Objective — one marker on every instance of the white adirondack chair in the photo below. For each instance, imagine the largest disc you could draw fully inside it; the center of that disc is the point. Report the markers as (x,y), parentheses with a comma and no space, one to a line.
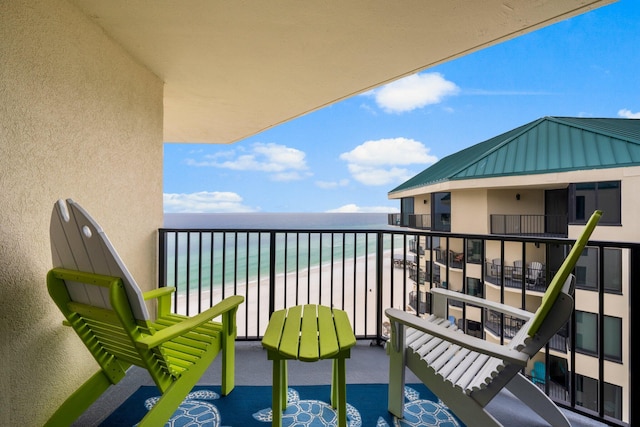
(468,372)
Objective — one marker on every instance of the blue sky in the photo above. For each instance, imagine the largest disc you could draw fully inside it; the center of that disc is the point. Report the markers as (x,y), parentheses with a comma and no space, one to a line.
(348,156)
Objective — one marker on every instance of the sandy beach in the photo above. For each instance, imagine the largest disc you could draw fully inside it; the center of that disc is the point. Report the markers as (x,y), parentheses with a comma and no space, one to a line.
(352,288)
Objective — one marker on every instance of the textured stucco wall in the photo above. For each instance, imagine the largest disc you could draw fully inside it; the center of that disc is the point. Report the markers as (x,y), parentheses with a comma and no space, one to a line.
(79,118)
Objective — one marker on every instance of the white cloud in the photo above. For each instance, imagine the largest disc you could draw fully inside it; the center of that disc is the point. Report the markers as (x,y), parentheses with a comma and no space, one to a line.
(281,161)
(390,151)
(628,114)
(329,185)
(353,208)
(412,92)
(378,176)
(377,162)
(204,202)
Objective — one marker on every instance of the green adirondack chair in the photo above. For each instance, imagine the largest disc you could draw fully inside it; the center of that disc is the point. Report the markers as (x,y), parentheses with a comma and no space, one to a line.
(466,372)
(101,301)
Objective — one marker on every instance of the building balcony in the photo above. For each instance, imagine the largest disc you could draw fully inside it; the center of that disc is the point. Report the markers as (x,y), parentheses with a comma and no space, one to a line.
(417,221)
(363,273)
(519,225)
(530,225)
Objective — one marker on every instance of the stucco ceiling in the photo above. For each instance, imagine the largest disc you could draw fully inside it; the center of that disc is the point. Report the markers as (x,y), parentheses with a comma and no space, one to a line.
(235,68)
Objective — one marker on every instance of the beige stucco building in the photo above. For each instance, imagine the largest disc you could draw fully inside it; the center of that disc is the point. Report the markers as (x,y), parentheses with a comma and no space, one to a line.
(544,178)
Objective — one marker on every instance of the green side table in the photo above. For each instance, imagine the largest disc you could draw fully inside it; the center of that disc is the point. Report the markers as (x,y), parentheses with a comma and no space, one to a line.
(309,333)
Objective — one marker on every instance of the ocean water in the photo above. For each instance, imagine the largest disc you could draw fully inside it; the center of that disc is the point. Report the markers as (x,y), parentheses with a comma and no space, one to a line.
(271,221)
(237,248)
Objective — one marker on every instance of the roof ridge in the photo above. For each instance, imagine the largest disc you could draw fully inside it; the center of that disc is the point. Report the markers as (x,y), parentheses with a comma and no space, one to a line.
(522,129)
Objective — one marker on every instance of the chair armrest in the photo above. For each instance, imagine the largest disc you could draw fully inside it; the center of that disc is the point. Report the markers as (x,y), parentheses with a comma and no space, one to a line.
(159,292)
(457,337)
(481,302)
(163,297)
(227,305)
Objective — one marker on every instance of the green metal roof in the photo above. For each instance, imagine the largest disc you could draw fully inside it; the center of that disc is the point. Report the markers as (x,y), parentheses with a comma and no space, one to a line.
(549,144)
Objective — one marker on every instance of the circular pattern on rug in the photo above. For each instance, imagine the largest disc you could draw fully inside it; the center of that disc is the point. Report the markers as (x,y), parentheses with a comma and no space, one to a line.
(193,411)
(309,413)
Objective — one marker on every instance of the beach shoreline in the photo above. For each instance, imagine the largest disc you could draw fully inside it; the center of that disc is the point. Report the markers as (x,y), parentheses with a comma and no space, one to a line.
(352,288)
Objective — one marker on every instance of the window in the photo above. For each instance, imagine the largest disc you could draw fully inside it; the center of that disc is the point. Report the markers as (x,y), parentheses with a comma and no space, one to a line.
(612,336)
(474,251)
(587,392)
(588,196)
(587,335)
(474,287)
(612,270)
(406,209)
(474,329)
(587,271)
(441,211)
(587,332)
(613,401)
(587,396)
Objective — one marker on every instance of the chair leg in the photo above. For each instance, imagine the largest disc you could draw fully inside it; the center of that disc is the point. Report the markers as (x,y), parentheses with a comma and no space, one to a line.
(535,399)
(80,400)
(339,390)
(395,348)
(228,353)
(278,391)
(175,394)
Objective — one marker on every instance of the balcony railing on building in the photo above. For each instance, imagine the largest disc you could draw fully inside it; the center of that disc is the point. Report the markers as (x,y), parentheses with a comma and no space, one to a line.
(417,221)
(530,225)
(519,225)
(365,271)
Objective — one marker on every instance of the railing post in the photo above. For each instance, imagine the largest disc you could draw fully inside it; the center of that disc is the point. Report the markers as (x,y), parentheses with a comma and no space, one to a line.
(272,272)
(379,285)
(162,261)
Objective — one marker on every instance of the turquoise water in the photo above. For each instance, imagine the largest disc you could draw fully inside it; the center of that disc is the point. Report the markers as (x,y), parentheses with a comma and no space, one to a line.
(243,256)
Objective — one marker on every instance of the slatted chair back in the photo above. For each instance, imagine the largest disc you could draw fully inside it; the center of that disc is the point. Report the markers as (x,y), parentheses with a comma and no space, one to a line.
(79,243)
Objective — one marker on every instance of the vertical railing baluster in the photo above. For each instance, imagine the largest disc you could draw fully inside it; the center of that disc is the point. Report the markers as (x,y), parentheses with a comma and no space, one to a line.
(188,273)
(175,271)
(272,272)
(309,268)
(211,268)
(379,283)
(224,264)
(199,271)
(332,262)
(246,279)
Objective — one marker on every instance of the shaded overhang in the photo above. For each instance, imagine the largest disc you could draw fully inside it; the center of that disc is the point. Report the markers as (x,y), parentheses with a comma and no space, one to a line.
(235,68)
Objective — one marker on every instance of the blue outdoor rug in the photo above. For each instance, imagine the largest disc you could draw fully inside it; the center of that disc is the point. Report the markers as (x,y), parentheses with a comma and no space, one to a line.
(308,406)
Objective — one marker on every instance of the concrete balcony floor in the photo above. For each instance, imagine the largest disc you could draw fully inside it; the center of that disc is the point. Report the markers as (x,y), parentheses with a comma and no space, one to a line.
(368,364)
